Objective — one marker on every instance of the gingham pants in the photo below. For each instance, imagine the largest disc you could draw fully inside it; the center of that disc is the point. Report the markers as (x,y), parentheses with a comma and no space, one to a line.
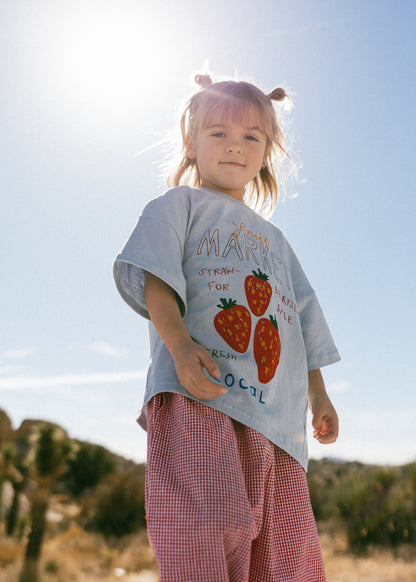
(223,503)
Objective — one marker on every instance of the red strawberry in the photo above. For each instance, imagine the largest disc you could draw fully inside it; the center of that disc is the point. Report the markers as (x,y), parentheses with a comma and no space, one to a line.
(258,292)
(233,324)
(266,348)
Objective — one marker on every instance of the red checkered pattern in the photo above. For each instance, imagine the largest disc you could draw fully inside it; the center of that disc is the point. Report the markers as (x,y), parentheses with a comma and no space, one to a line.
(223,503)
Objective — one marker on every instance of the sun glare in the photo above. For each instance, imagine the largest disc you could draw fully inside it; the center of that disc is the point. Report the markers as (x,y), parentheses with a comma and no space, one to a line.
(108,56)
(104,61)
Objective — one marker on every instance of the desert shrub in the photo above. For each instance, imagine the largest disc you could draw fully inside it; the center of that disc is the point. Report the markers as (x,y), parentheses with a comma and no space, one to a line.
(323,478)
(90,464)
(377,508)
(117,507)
(52,567)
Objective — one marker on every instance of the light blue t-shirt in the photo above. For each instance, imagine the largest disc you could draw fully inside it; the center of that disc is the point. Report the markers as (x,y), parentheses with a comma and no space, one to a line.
(243,296)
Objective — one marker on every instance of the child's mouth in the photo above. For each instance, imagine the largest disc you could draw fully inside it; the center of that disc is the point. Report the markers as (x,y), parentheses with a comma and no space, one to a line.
(237,164)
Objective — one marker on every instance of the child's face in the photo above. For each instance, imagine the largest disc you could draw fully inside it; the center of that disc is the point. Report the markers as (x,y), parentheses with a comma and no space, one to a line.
(229,152)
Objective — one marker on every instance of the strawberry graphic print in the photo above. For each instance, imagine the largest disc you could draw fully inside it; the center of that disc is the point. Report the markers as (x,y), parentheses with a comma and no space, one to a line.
(233,323)
(266,348)
(258,292)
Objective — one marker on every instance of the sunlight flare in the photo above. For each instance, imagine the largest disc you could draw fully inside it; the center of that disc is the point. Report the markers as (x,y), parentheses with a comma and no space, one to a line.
(103,63)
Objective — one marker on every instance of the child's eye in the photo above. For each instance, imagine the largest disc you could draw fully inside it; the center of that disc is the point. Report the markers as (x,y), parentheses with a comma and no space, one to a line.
(251,138)
(218,134)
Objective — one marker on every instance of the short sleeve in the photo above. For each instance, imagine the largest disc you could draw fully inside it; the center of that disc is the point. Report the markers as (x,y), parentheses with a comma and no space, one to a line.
(156,245)
(319,345)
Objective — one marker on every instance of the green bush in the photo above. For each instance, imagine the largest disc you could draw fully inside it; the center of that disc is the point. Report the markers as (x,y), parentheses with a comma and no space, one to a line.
(90,464)
(377,508)
(323,479)
(118,503)
(52,567)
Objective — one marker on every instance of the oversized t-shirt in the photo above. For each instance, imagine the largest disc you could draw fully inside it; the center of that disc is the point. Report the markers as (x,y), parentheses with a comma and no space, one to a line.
(243,296)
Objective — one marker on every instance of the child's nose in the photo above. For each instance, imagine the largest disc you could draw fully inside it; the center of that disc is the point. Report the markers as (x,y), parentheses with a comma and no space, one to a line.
(234,147)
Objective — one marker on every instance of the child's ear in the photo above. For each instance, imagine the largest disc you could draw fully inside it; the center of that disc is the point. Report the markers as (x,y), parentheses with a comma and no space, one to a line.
(190,147)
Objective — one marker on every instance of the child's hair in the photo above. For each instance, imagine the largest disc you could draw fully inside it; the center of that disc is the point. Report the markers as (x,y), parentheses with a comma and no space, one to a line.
(234,98)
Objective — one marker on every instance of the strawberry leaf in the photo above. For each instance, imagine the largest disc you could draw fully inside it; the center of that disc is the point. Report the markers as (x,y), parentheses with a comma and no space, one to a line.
(227,303)
(260,275)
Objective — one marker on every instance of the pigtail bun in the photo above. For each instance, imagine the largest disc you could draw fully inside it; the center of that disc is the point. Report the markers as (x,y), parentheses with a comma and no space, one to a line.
(203,81)
(277,94)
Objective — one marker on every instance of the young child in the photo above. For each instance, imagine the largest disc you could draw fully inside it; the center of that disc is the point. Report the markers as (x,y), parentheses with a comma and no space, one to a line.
(237,341)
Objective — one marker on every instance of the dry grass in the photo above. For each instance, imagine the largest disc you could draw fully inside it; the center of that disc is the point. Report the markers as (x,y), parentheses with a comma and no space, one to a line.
(378,566)
(10,551)
(78,556)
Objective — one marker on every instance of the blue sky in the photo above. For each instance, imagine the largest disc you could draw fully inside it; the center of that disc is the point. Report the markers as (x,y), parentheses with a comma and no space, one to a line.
(88,86)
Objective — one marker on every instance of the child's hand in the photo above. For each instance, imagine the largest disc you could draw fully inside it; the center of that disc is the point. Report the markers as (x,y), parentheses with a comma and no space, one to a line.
(324,416)
(190,360)
(189,357)
(324,420)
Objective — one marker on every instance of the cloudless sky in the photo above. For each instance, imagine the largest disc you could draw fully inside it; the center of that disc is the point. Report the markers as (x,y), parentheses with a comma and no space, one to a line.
(88,92)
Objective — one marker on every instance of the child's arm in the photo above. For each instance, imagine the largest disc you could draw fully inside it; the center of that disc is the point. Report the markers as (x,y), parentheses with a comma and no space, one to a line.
(324,416)
(189,357)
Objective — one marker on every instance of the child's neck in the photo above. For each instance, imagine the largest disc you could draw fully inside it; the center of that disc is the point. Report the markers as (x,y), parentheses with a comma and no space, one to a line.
(238,193)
